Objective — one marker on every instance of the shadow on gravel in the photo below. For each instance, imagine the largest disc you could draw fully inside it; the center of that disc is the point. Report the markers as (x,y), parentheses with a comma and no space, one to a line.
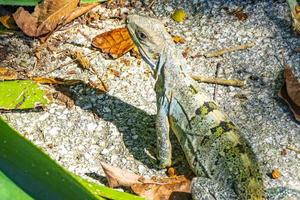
(137,127)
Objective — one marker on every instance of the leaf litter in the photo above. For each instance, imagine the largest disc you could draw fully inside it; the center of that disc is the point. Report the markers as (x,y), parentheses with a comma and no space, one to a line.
(169,188)
(49,15)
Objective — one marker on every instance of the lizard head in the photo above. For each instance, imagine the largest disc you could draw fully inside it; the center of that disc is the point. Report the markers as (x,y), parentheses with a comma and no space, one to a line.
(150,36)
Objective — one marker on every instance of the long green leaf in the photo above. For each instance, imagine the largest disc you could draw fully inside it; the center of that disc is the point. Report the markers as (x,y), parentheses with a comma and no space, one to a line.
(9,190)
(33,171)
(19,2)
(24,167)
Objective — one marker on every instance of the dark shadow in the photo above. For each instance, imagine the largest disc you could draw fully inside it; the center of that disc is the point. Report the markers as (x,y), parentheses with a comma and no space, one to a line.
(98,177)
(180,196)
(129,120)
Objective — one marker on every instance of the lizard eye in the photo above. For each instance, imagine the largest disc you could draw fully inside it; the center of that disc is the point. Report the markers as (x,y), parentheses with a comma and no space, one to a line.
(141,35)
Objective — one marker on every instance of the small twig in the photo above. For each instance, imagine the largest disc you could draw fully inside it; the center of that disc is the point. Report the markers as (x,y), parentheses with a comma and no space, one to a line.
(150,5)
(227,50)
(216,76)
(289,147)
(219,81)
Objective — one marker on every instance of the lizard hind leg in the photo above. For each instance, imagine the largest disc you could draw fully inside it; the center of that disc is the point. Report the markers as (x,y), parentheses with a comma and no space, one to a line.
(208,189)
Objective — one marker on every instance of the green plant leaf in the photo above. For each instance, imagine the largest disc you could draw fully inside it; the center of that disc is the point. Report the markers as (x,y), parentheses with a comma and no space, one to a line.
(9,190)
(21,94)
(33,171)
(19,2)
(24,168)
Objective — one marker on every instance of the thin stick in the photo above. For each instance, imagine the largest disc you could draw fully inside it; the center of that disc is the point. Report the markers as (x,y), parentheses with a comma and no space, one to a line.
(150,5)
(230,49)
(219,81)
(289,147)
(216,76)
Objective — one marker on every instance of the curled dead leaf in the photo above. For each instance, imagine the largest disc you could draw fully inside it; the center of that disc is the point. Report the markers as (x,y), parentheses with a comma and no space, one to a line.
(292,85)
(115,42)
(177,187)
(290,92)
(118,177)
(80,11)
(45,18)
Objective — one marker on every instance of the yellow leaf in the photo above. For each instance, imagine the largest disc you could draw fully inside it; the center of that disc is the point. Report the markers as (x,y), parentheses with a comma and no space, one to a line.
(179,15)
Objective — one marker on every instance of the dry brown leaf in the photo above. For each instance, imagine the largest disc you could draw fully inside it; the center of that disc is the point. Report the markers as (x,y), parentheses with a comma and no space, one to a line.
(290,92)
(80,11)
(55,81)
(45,18)
(8,22)
(7,74)
(119,177)
(178,187)
(115,42)
(292,85)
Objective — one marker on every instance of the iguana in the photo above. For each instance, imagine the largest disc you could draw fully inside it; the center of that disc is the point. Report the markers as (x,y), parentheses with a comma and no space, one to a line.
(221,158)
(295,14)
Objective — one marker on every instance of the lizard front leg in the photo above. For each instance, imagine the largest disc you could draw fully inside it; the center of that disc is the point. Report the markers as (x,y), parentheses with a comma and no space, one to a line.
(162,131)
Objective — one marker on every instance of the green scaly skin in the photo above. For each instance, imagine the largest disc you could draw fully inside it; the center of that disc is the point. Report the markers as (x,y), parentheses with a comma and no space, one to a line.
(212,144)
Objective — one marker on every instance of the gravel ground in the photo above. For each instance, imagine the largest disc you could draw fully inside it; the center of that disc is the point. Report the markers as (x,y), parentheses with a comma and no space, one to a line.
(118,127)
